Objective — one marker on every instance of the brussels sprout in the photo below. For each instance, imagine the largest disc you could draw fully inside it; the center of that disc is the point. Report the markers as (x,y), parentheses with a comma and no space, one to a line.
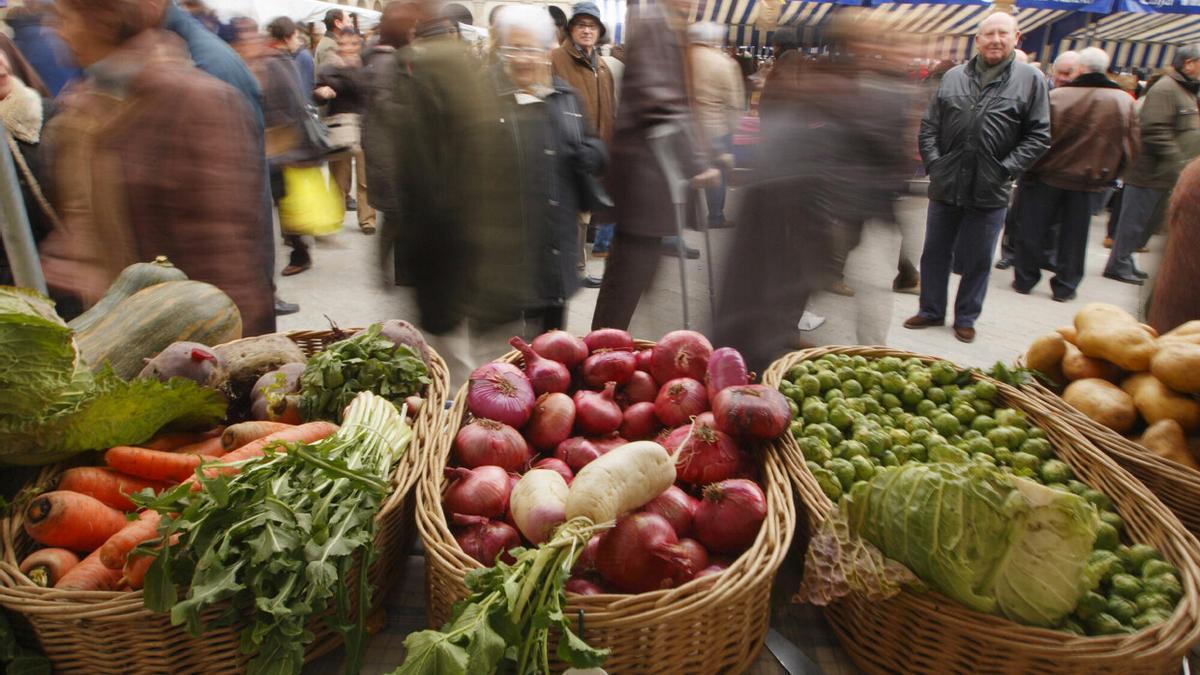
(888,364)
(854,449)
(1039,447)
(1146,619)
(1147,601)
(1057,486)
(985,390)
(1155,567)
(852,388)
(1165,584)
(899,437)
(983,458)
(813,466)
(1053,470)
(943,372)
(983,424)
(796,428)
(1139,554)
(1091,604)
(859,361)
(863,468)
(937,395)
(814,449)
(893,383)
(843,470)
(982,446)
(1001,437)
(946,425)
(1098,498)
(964,413)
(1122,608)
(898,415)
(793,409)
(866,377)
(1006,417)
(1026,463)
(1003,455)
(927,408)
(809,384)
(1107,538)
(1101,566)
(791,391)
(815,412)
(983,407)
(829,484)
(797,371)
(1113,519)
(921,379)
(840,417)
(1036,432)
(893,405)
(844,374)
(917,452)
(1071,626)
(827,380)
(1104,624)
(1018,435)
(951,390)
(834,395)
(832,434)
(912,395)
(948,454)
(1126,585)
(971,434)
(965,396)
(1077,487)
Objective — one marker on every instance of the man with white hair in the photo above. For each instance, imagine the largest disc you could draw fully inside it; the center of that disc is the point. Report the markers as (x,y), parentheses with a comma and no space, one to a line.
(717,98)
(1064,68)
(988,122)
(1093,138)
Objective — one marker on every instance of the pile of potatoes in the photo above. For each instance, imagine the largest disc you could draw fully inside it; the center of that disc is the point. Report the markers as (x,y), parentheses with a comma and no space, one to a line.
(1122,374)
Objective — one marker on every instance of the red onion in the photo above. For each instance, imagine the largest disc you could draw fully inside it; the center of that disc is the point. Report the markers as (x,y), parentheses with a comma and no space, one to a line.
(680,353)
(644,357)
(726,368)
(641,553)
(597,412)
(708,456)
(484,539)
(608,338)
(488,442)
(607,443)
(561,346)
(577,452)
(501,392)
(679,400)
(482,491)
(730,515)
(587,560)
(640,422)
(752,411)
(608,366)
(640,388)
(544,374)
(580,586)
(698,557)
(552,421)
(706,419)
(715,568)
(677,506)
(556,465)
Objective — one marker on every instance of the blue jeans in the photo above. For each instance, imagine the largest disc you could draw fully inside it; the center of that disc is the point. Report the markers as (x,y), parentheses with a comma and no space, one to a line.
(967,238)
(1134,227)
(1041,206)
(715,197)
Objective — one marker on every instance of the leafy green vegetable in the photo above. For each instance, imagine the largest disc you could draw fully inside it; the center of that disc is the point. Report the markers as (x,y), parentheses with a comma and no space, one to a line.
(37,356)
(284,535)
(365,362)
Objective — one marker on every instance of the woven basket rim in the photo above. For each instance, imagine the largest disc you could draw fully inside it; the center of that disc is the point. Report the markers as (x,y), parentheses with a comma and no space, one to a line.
(19,594)
(756,565)
(1176,635)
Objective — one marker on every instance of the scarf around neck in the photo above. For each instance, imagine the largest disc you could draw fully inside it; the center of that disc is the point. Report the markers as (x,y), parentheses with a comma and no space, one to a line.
(21,113)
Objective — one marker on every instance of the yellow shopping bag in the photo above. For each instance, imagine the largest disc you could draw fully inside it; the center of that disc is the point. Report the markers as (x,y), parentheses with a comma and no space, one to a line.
(312,203)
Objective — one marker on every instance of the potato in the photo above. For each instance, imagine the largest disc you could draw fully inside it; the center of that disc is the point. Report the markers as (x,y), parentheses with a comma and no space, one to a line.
(1187,333)
(1069,334)
(1045,355)
(1165,439)
(1156,402)
(1177,365)
(1103,402)
(1110,333)
(1150,330)
(1076,366)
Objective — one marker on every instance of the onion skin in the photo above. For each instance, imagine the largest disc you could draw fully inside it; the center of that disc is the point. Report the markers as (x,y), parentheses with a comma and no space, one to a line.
(607,443)
(587,560)
(641,553)
(680,353)
(640,422)
(677,507)
(561,346)
(715,568)
(608,366)
(644,357)
(698,555)
(710,455)
(552,420)
(501,392)
(484,539)
(753,411)
(486,442)
(608,338)
(640,388)
(557,466)
(576,452)
(545,375)
(679,400)
(597,412)
(580,586)
(482,491)
(730,515)
(726,368)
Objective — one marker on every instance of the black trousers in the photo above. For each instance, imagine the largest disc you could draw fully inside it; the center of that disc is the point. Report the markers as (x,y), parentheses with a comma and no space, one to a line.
(628,272)
(1041,206)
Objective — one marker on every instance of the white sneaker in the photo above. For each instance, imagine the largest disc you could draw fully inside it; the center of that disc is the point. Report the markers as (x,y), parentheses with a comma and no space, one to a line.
(810,321)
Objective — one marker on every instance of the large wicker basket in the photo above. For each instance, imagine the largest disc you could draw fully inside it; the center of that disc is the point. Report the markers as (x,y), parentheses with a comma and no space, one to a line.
(714,624)
(112,633)
(930,633)
(1176,485)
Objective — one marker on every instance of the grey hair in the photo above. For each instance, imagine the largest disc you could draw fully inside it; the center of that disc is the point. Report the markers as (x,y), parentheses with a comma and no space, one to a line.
(1093,60)
(1184,54)
(1066,56)
(707,33)
(532,18)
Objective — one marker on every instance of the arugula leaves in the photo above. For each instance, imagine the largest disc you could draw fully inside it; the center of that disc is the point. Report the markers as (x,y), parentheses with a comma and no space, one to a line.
(365,362)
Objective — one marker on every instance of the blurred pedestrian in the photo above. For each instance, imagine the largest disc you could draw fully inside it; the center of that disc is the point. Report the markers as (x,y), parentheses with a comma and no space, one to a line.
(342,84)
(41,47)
(1175,300)
(152,157)
(718,98)
(987,123)
(327,47)
(1064,69)
(306,66)
(1170,137)
(1093,137)
(23,113)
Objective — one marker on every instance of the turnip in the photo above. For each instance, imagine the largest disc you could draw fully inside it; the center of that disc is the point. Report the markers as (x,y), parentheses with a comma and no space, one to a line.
(620,481)
(539,503)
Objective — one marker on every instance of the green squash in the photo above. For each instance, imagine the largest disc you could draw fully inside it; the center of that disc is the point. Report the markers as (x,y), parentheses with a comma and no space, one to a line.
(131,280)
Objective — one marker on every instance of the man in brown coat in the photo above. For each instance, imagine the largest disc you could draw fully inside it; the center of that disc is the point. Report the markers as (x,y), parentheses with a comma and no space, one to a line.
(1093,137)
(152,157)
(577,61)
(654,102)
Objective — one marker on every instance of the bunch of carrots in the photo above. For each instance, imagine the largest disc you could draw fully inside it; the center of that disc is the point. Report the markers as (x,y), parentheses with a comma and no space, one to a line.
(88,512)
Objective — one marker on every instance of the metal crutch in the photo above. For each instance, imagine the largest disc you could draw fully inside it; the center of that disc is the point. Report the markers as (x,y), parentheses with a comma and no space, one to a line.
(14,226)
(661,138)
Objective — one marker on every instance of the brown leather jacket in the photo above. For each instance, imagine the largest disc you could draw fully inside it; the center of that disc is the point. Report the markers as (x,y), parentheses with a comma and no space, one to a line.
(592,82)
(1093,135)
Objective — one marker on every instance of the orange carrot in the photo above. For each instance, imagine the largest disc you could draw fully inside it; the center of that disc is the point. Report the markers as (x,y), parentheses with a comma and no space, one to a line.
(71,520)
(240,434)
(303,433)
(177,439)
(152,464)
(110,487)
(135,570)
(209,447)
(117,548)
(90,575)
(47,565)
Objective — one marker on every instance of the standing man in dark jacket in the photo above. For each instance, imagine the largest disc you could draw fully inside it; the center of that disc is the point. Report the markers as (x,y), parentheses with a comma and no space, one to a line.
(1094,136)
(1170,123)
(654,98)
(988,122)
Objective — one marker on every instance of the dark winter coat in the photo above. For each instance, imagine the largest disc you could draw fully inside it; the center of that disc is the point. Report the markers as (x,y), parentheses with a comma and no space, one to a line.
(1175,301)
(976,139)
(377,127)
(1170,126)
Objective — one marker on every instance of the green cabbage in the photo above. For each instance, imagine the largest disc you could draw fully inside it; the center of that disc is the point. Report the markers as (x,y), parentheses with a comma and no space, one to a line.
(994,542)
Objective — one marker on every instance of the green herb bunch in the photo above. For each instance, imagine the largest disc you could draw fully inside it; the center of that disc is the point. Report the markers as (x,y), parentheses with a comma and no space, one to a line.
(365,362)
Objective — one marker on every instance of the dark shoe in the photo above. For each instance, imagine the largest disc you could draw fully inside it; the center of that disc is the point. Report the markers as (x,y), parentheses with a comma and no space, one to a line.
(1108,242)
(1022,291)
(910,284)
(1142,249)
(1127,279)
(296,268)
(1064,298)
(1140,274)
(964,334)
(670,248)
(915,289)
(840,288)
(918,322)
(351,205)
(284,308)
(591,282)
(1004,264)
(367,229)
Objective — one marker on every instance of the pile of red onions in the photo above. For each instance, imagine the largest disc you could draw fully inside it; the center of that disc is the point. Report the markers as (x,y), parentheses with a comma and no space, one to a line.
(572,400)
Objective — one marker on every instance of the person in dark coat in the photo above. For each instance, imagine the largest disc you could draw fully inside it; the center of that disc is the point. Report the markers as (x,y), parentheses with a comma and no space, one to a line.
(1175,300)
(655,104)
(395,25)
(23,113)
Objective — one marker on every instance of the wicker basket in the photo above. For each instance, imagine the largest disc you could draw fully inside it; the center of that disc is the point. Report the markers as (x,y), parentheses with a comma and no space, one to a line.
(1176,485)
(711,625)
(932,634)
(106,632)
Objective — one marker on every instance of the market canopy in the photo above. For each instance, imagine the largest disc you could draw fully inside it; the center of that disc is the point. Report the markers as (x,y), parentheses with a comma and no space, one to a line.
(299,10)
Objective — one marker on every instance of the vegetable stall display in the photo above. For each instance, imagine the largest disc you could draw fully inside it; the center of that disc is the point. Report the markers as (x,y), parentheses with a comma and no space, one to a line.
(1131,392)
(1043,554)
(588,495)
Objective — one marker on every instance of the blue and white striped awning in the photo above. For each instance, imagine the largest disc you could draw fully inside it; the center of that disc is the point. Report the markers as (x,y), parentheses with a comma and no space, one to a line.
(1149,55)
(1174,29)
(952,19)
